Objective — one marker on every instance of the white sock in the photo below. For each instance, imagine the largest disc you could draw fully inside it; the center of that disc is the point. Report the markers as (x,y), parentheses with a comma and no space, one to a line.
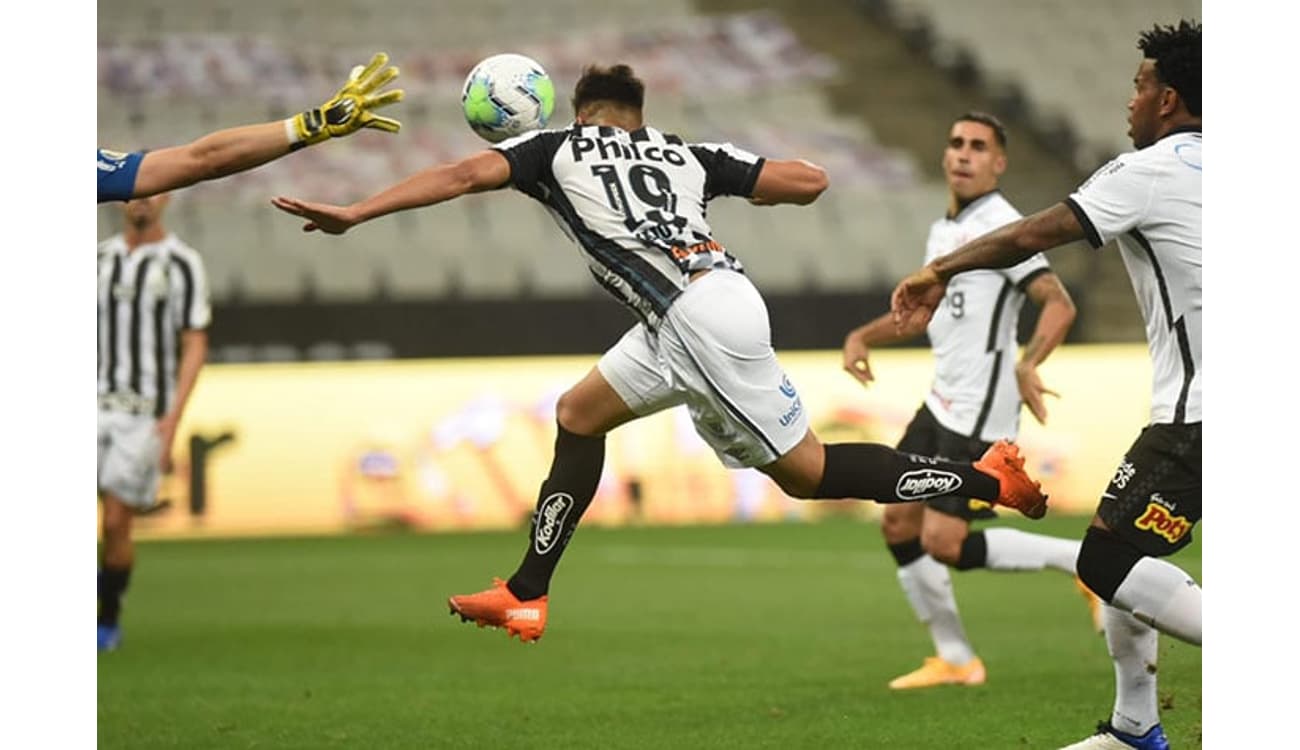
(1163,596)
(928,587)
(1011,549)
(1133,648)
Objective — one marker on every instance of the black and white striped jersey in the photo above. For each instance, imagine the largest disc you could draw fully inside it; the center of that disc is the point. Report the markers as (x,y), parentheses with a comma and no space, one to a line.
(1150,202)
(146,298)
(635,203)
(973,331)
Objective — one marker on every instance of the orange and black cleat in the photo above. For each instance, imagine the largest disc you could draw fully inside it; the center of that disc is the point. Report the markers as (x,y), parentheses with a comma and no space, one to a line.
(1015,489)
(498,607)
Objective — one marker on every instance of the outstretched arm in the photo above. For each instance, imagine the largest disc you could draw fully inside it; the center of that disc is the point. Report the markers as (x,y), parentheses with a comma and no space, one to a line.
(789,181)
(486,170)
(1056,314)
(916,297)
(859,342)
(226,152)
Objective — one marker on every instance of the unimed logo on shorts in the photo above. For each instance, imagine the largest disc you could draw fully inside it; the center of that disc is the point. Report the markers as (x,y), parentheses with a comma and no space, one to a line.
(550,520)
(923,483)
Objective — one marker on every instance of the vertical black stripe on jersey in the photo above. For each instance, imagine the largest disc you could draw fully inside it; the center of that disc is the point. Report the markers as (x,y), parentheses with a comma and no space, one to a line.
(997,316)
(735,410)
(137,302)
(113,280)
(988,397)
(187,277)
(992,391)
(642,278)
(1179,327)
(159,358)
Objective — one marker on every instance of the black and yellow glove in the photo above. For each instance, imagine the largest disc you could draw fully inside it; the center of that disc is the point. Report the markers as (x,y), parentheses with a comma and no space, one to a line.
(350,109)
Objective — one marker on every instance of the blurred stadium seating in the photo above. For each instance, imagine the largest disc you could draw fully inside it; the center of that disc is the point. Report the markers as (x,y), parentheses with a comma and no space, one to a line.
(716,70)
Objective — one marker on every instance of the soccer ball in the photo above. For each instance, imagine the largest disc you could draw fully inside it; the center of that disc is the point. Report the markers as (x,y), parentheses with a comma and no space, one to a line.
(505,95)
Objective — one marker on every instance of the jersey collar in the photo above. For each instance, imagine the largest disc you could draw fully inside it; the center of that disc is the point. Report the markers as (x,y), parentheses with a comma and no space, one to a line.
(974,202)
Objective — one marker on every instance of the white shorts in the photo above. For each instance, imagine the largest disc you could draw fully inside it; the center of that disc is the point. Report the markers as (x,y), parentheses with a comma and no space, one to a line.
(713,352)
(129,457)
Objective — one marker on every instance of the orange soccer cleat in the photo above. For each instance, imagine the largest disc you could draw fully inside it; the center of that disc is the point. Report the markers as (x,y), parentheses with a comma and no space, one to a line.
(1015,489)
(936,671)
(498,607)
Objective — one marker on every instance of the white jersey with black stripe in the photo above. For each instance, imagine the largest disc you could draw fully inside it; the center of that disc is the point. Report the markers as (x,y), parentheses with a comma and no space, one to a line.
(635,202)
(973,331)
(147,296)
(1150,202)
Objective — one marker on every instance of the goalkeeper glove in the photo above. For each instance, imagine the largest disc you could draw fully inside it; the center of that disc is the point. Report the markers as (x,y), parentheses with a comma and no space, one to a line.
(350,109)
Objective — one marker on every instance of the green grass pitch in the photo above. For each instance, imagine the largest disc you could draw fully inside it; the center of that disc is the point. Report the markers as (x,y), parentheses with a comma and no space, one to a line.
(758,636)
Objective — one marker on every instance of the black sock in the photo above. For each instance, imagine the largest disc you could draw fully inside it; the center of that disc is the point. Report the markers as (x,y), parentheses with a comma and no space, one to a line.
(870,471)
(907,552)
(112,585)
(565,495)
(974,552)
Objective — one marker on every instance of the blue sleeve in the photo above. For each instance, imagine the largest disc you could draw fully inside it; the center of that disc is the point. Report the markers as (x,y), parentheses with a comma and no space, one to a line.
(117,174)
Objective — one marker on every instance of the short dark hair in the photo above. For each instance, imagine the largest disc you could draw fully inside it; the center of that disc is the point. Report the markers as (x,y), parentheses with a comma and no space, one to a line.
(1177,54)
(984,118)
(616,83)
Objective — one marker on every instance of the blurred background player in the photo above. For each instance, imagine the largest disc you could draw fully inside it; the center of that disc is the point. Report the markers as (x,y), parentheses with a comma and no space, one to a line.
(153,312)
(139,174)
(633,198)
(974,400)
(1150,202)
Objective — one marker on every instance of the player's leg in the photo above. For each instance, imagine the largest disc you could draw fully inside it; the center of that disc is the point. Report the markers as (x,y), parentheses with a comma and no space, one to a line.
(117,560)
(624,385)
(1148,511)
(127,476)
(928,586)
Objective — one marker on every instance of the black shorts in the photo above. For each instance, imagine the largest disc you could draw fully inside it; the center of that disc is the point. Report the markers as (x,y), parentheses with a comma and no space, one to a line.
(926,437)
(1154,499)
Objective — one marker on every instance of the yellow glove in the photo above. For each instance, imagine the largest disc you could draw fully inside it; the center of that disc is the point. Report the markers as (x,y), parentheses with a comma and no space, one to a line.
(350,109)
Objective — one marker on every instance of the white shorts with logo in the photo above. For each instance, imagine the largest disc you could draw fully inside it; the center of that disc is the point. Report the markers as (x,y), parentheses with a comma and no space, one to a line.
(129,457)
(713,352)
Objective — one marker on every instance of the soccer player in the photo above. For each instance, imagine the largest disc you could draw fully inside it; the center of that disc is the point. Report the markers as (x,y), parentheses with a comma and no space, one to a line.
(1150,202)
(140,174)
(633,198)
(975,399)
(153,315)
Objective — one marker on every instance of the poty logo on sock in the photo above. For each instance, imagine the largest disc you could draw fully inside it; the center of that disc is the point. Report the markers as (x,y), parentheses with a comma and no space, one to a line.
(550,519)
(923,483)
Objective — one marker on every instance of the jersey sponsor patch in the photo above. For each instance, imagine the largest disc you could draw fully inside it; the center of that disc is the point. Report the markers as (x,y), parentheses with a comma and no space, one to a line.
(1158,520)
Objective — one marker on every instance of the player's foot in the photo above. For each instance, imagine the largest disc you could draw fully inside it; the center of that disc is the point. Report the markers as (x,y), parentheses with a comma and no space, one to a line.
(1110,738)
(109,637)
(936,671)
(1094,605)
(499,608)
(1015,489)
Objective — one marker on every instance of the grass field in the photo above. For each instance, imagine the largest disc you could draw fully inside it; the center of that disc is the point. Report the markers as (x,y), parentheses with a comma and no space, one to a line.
(779,636)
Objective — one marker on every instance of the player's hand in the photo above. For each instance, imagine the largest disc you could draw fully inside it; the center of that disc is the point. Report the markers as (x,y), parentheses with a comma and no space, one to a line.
(351,108)
(323,216)
(1032,391)
(856,362)
(916,298)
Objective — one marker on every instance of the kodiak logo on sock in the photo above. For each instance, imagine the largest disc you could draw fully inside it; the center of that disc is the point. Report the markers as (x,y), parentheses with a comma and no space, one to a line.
(923,483)
(550,520)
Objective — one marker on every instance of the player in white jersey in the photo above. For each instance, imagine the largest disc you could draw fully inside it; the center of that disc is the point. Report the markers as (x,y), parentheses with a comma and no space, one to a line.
(153,316)
(1150,202)
(140,174)
(633,198)
(974,400)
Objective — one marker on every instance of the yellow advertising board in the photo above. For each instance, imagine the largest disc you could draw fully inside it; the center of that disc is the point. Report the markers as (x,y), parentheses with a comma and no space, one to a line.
(464,444)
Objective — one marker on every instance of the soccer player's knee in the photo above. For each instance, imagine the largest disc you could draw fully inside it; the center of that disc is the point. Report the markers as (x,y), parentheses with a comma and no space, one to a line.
(897,528)
(1105,561)
(942,546)
(798,486)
